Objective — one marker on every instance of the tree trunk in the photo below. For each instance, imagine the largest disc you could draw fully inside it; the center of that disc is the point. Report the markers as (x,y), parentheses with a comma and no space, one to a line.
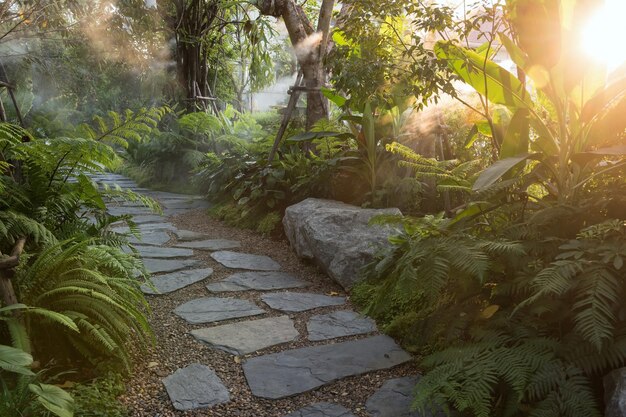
(310,47)
(191,24)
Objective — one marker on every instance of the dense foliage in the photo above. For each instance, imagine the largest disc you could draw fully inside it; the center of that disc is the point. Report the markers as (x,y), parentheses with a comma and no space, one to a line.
(80,303)
(499,140)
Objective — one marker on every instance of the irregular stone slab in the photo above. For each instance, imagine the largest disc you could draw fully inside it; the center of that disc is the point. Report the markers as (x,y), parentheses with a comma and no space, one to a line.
(196,386)
(187,235)
(260,281)
(238,260)
(336,236)
(210,244)
(298,301)
(322,410)
(394,399)
(156,266)
(135,211)
(158,252)
(156,237)
(338,324)
(146,227)
(295,371)
(171,282)
(212,309)
(248,336)
(179,204)
(152,218)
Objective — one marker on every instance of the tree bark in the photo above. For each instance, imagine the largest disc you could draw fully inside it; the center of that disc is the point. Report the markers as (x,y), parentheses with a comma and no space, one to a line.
(310,48)
(193,21)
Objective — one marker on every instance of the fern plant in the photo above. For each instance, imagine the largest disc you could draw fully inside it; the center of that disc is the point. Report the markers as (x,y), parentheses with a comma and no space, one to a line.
(93,285)
(553,331)
(433,282)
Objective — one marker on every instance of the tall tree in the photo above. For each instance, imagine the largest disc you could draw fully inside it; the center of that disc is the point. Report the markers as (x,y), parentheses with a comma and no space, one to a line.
(310,45)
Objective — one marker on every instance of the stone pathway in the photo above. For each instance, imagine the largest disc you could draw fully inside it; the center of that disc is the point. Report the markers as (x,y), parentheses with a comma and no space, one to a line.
(169,255)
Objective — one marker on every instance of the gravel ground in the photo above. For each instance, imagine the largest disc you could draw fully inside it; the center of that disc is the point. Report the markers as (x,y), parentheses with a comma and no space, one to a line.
(176,348)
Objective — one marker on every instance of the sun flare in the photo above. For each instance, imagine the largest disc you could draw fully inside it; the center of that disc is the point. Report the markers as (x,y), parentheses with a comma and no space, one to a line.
(604,35)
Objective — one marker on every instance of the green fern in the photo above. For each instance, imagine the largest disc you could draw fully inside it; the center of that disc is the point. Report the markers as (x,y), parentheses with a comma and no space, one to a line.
(94,285)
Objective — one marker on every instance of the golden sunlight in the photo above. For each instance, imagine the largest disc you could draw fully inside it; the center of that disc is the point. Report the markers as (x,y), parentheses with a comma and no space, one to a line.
(604,35)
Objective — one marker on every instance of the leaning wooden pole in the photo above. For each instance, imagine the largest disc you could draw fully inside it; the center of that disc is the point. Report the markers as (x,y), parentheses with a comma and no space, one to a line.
(7,293)
(294,95)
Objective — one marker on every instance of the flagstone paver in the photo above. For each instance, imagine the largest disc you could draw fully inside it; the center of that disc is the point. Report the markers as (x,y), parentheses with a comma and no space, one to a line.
(188,235)
(260,281)
(147,227)
(291,372)
(156,266)
(156,237)
(196,386)
(394,399)
(238,260)
(248,336)
(150,218)
(299,301)
(159,252)
(164,284)
(322,410)
(338,324)
(210,244)
(284,373)
(213,309)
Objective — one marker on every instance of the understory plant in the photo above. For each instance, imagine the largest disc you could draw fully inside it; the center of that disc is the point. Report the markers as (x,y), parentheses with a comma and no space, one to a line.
(85,307)
(516,297)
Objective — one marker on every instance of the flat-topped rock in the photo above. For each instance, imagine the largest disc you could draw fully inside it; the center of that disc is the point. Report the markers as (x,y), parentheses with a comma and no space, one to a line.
(248,336)
(210,244)
(155,237)
(394,399)
(295,371)
(195,386)
(300,301)
(338,324)
(156,266)
(147,227)
(322,410)
(260,281)
(238,260)
(187,235)
(337,236)
(153,218)
(134,211)
(164,284)
(159,252)
(213,309)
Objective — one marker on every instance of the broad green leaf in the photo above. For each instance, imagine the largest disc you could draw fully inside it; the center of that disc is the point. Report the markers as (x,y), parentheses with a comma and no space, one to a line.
(516,138)
(473,209)
(15,360)
(496,171)
(608,125)
(537,24)
(518,56)
(603,99)
(54,399)
(471,137)
(487,50)
(485,76)
(332,95)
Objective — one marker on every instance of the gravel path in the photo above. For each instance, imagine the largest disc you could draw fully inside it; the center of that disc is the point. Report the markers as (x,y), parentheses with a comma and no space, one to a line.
(176,348)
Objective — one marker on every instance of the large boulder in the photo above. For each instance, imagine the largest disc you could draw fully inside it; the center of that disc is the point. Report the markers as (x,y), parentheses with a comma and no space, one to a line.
(615,393)
(336,236)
